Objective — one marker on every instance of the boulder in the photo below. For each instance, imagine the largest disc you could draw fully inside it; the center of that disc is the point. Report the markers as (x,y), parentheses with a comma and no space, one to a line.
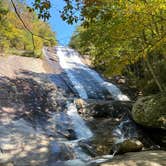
(129,145)
(103,109)
(150,111)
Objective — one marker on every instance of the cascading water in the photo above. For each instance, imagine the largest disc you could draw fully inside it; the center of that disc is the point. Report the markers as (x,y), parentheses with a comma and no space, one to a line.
(125,130)
(81,129)
(71,63)
(87,83)
(67,60)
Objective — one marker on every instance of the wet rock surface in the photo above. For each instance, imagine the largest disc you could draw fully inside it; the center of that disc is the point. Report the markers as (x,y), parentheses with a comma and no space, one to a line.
(113,128)
(32,114)
(103,108)
(123,83)
(36,128)
(59,151)
(29,112)
(108,139)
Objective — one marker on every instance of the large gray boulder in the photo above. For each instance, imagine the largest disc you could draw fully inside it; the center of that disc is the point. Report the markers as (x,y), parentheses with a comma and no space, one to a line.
(150,111)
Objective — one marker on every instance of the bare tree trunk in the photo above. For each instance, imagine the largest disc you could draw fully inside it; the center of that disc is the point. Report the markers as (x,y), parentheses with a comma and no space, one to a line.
(153,74)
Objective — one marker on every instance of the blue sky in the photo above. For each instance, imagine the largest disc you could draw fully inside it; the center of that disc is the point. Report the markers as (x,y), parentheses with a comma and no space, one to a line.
(62,29)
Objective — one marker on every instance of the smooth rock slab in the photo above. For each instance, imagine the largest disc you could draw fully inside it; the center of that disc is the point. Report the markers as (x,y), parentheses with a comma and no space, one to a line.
(146,158)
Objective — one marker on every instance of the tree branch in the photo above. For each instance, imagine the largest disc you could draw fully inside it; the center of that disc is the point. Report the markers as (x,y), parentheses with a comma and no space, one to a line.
(26,27)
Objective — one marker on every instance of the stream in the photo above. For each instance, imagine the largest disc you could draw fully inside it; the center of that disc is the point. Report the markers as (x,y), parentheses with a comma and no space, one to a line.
(88,84)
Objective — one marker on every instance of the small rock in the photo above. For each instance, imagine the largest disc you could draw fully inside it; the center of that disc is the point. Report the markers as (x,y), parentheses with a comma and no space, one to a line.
(121,81)
(60,151)
(130,145)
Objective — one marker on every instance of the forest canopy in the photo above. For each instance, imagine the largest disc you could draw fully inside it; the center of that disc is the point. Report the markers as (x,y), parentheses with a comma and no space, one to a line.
(125,37)
(122,36)
(14,38)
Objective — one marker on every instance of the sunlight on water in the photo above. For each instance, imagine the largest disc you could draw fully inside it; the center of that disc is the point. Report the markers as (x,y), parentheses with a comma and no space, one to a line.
(69,60)
(81,129)
(64,60)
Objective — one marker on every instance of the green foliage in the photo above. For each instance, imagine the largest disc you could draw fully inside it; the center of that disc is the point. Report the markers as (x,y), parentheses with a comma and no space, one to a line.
(13,35)
(125,37)
(42,7)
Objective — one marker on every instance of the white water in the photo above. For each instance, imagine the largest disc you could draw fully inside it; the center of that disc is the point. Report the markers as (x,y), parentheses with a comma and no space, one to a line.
(122,131)
(69,60)
(119,133)
(66,63)
(81,129)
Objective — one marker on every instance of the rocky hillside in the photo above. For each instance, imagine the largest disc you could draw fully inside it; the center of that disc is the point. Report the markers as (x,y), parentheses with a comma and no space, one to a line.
(34,124)
(27,101)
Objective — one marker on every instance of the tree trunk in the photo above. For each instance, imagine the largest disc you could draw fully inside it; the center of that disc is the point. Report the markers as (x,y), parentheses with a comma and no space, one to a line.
(153,74)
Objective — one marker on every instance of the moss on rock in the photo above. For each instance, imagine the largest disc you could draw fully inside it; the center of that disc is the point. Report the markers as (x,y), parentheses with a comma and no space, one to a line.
(150,111)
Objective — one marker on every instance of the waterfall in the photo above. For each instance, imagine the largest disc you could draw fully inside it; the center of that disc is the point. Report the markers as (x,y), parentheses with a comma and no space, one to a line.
(86,82)
(66,62)
(81,129)
(70,62)
(119,132)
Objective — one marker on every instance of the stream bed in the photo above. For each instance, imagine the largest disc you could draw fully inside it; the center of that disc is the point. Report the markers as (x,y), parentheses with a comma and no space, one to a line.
(88,84)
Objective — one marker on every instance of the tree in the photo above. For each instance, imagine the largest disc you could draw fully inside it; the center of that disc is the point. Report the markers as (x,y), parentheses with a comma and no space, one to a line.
(20,27)
(123,33)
